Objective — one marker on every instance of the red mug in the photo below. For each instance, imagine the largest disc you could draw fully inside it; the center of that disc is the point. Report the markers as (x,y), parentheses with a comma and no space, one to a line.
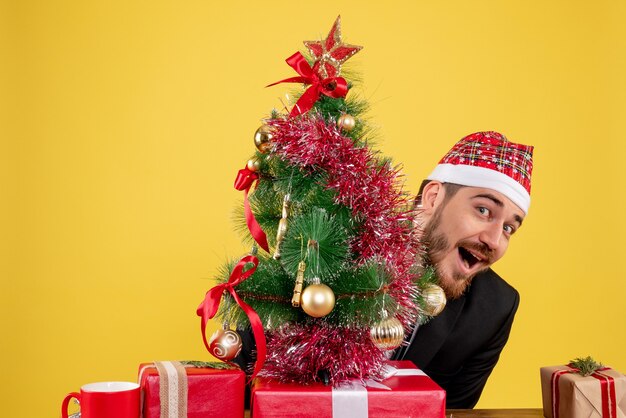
(106,400)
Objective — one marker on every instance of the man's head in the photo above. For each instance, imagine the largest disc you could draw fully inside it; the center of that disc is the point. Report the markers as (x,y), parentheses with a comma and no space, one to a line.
(471,205)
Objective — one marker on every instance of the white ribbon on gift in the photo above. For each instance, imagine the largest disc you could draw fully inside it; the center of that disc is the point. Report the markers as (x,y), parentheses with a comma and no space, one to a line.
(350,398)
(175,389)
(172,388)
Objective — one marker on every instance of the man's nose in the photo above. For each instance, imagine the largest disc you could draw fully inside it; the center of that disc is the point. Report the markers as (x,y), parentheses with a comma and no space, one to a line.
(491,236)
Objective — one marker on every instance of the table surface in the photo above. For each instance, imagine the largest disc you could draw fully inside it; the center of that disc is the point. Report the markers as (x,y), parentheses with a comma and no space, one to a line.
(484,413)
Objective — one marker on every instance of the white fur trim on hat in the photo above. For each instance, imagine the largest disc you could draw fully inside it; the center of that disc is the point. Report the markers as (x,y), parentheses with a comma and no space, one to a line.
(469,175)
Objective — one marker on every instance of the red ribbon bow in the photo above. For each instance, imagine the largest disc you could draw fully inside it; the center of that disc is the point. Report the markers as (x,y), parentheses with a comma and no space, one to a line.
(245,179)
(331,86)
(209,306)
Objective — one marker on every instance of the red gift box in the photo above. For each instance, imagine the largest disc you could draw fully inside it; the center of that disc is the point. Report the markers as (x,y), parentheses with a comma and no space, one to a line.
(406,394)
(211,392)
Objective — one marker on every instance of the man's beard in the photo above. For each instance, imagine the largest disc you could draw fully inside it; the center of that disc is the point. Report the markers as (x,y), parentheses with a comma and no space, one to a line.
(455,283)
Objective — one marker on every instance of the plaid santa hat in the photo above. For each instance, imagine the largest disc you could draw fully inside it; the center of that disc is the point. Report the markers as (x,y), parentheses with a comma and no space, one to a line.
(489,160)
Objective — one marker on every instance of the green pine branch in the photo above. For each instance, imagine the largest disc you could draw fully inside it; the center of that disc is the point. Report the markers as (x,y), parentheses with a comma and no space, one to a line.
(319,239)
(586,366)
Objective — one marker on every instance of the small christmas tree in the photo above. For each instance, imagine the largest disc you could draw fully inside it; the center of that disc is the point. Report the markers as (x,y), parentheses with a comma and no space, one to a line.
(339,278)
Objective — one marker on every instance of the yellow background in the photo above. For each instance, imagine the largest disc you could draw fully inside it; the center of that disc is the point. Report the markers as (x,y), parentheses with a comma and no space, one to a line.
(123,125)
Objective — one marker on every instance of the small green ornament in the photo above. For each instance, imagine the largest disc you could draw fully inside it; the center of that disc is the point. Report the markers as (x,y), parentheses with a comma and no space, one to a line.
(586,366)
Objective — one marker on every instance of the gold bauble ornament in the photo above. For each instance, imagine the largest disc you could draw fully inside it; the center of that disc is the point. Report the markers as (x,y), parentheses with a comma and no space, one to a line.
(346,122)
(254,164)
(434,298)
(317,300)
(263,139)
(225,344)
(387,334)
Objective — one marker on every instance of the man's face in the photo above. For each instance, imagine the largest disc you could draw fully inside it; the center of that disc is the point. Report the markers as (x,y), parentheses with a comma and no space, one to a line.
(467,233)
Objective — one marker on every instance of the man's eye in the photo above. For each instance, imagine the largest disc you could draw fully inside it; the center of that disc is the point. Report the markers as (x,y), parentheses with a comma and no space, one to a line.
(483,210)
(509,229)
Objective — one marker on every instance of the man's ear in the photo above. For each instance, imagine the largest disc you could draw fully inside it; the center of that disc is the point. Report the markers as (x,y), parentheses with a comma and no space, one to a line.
(432,196)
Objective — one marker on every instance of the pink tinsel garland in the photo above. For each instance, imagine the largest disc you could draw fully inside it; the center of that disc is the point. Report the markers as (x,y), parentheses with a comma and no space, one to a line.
(300,353)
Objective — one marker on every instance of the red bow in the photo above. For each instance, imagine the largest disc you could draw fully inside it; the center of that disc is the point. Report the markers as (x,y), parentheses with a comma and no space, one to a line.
(245,179)
(209,306)
(331,86)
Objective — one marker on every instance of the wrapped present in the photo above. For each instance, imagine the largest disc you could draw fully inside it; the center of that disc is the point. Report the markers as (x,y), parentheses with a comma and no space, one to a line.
(568,394)
(408,392)
(191,389)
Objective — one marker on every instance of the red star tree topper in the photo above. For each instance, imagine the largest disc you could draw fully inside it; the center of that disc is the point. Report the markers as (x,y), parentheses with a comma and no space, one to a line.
(331,53)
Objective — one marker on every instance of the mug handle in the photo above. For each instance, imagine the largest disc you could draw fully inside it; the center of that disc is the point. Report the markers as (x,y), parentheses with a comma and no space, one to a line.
(66,402)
